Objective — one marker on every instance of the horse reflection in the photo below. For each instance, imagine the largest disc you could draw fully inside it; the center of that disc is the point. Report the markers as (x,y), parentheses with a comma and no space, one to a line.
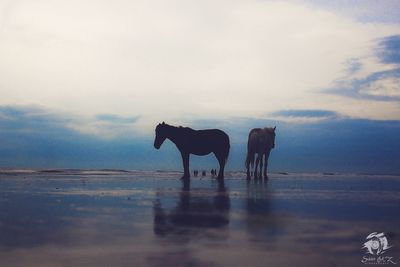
(263,224)
(195,211)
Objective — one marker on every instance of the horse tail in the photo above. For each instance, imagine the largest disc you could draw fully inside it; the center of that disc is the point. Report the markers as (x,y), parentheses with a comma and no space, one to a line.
(249,159)
(252,144)
(250,155)
(228,149)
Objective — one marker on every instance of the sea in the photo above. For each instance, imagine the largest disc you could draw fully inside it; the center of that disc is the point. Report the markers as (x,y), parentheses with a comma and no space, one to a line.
(73,217)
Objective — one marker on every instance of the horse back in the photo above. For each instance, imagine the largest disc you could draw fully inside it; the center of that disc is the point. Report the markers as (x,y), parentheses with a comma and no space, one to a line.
(214,135)
(253,139)
(202,142)
(259,141)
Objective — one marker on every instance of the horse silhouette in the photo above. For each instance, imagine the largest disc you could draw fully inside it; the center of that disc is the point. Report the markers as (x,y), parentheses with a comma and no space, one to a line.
(260,142)
(201,142)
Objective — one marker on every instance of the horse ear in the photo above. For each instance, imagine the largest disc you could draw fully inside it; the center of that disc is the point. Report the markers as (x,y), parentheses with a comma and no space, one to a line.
(274,128)
(163,123)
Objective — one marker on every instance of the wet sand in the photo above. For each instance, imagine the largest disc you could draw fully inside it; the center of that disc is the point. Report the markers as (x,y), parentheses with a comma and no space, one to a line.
(115,218)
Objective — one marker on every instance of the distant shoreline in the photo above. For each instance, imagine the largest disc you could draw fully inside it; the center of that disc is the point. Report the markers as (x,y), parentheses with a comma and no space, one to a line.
(108,171)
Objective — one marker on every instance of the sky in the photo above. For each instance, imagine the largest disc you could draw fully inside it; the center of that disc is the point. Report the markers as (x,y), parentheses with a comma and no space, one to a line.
(84,83)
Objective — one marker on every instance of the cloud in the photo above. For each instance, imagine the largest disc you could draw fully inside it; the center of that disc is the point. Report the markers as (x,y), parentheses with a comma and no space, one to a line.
(90,70)
(32,119)
(107,125)
(213,59)
(381,86)
(367,11)
(116,119)
(304,115)
(35,137)
(386,88)
(389,49)
(377,88)
(353,65)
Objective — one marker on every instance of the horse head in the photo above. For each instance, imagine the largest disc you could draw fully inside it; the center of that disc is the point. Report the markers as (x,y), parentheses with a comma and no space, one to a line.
(160,135)
(273,137)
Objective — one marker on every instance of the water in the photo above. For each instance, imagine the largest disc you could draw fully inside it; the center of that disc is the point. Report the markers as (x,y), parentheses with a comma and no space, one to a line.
(137,218)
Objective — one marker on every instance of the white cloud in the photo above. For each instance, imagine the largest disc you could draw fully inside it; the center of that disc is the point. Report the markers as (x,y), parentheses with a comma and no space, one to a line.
(101,128)
(166,59)
(387,87)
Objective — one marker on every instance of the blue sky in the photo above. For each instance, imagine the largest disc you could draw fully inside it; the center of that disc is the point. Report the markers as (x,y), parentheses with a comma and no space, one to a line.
(84,83)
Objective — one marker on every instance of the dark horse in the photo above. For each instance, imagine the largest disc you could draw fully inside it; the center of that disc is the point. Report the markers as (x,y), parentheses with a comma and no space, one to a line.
(260,142)
(190,141)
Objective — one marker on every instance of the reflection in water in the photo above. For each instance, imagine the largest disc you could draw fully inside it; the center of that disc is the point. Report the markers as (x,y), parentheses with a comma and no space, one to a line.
(125,220)
(262,222)
(194,210)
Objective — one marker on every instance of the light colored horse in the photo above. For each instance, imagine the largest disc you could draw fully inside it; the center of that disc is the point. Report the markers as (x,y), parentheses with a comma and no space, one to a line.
(260,142)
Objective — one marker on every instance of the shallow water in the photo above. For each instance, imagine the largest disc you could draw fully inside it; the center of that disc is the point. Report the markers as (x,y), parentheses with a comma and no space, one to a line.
(113,218)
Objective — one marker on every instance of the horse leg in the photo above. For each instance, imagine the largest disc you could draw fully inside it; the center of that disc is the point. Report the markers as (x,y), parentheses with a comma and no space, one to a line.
(261,165)
(221,160)
(249,162)
(185,161)
(255,169)
(266,164)
(248,170)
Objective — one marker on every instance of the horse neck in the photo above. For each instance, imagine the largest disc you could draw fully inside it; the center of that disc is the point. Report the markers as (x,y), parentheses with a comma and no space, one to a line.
(173,134)
(267,135)
(271,141)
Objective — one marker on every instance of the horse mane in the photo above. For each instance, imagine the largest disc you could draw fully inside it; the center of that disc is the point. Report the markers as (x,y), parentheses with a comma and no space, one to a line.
(174,127)
(166,125)
(269,129)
